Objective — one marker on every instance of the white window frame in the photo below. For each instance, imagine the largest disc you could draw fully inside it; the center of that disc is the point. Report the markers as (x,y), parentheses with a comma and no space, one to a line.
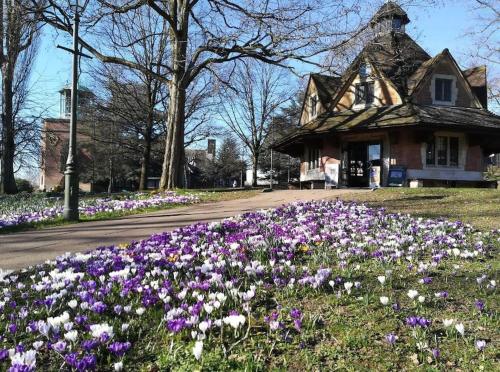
(454,90)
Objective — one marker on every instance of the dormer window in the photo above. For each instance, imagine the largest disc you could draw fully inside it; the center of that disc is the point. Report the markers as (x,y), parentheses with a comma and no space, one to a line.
(397,24)
(364,93)
(313,101)
(444,90)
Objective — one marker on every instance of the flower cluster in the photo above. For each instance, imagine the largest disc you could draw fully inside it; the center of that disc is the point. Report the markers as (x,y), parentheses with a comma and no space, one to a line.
(202,284)
(44,209)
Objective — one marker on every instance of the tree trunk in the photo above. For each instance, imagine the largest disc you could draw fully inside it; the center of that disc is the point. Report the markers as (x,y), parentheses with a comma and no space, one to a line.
(173,161)
(255,165)
(174,144)
(8,182)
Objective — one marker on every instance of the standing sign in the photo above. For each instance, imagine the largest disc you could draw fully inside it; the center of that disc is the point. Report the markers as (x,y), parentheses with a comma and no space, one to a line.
(331,175)
(397,176)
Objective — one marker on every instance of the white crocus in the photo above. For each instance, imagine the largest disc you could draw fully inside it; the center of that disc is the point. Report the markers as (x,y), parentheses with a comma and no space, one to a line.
(448,322)
(140,311)
(348,286)
(198,349)
(384,300)
(118,366)
(421,299)
(97,330)
(381,279)
(71,335)
(460,328)
(412,293)
(234,320)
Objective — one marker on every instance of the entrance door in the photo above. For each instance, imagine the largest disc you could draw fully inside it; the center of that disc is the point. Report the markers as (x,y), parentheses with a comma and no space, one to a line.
(361,157)
(357,167)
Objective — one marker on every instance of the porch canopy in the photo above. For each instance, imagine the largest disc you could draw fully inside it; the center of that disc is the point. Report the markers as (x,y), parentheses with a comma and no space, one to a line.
(483,125)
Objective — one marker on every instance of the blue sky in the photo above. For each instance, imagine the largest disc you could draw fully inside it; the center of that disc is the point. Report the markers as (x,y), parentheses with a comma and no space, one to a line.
(434,28)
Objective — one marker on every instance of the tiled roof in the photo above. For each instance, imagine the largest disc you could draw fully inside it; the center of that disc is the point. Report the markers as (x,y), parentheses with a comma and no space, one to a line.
(327,87)
(395,116)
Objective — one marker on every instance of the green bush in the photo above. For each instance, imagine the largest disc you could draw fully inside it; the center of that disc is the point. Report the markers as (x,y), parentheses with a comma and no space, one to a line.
(24,185)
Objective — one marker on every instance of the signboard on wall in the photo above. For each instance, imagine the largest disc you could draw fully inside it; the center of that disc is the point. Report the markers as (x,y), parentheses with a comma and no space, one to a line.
(331,175)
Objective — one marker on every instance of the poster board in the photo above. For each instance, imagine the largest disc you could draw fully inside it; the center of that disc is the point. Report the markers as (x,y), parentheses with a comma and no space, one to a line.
(331,175)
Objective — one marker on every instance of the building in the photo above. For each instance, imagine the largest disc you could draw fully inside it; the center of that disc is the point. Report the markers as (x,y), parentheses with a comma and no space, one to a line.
(55,140)
(196,160)
(396,115)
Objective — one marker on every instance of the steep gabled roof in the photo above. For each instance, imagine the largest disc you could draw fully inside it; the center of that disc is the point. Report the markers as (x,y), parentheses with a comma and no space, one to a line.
(476,76)
(327,87)
(395,55)
(427,67)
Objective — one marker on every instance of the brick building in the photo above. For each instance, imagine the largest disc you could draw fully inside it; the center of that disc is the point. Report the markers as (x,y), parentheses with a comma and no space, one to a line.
(396,115)
(55,139)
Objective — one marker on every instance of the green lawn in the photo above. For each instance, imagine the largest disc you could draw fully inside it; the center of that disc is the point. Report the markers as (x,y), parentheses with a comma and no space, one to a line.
(480,207)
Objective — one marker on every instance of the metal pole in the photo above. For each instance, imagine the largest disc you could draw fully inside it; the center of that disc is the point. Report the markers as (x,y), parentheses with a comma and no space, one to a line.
(71,174)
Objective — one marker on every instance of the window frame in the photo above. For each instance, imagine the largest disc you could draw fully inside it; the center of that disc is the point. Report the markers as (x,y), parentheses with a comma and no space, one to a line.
(313,103)
(453,90)
(363,101)
(432,158)
(313,156)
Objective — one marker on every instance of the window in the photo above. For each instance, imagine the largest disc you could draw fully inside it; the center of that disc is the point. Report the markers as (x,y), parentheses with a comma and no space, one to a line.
(364,70)
(442,151)
(396,24)
(442,89)
(364,93)
(313,158)
(313,101)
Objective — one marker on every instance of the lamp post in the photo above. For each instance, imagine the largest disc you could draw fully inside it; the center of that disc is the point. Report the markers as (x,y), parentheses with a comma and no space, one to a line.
(70,212)
(71,174)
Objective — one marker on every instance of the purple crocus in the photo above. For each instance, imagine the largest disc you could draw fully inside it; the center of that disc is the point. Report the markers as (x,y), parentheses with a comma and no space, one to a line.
(391,338)
(119,348)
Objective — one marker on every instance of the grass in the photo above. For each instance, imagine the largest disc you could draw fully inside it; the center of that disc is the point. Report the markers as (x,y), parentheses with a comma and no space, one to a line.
(479,207)
(204,196)
(348,332)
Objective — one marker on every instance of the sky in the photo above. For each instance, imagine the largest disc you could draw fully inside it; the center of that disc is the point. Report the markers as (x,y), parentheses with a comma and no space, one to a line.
(434,28)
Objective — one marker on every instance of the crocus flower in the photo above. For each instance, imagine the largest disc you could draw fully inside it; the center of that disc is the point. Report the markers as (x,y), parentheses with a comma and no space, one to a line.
(480,345)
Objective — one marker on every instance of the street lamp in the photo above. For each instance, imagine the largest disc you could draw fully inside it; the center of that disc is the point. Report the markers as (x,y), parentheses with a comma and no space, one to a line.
(71,189)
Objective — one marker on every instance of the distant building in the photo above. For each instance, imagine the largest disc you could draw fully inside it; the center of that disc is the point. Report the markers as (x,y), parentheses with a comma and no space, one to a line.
(55,139)
(397,114)
(196,160)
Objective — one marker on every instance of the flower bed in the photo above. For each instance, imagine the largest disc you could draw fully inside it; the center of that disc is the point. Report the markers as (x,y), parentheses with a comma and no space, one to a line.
(40,209)
(248,284)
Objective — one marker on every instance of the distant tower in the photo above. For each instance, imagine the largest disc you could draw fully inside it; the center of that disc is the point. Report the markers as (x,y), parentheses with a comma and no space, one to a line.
(85,97)
(65,102)
(389,18)
(211,148)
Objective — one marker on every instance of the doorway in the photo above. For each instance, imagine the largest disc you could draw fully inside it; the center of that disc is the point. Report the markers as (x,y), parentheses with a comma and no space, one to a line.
(361,158)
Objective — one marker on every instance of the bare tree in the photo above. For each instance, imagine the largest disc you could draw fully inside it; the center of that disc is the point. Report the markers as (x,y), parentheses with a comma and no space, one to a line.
(18,46)
(204,34)
(485,47)
(258,91)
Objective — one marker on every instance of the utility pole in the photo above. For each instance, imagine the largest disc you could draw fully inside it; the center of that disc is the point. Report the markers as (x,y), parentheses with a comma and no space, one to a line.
(71,183)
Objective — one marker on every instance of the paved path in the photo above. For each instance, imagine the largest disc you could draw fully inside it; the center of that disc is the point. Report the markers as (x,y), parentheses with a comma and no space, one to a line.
(23,249)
